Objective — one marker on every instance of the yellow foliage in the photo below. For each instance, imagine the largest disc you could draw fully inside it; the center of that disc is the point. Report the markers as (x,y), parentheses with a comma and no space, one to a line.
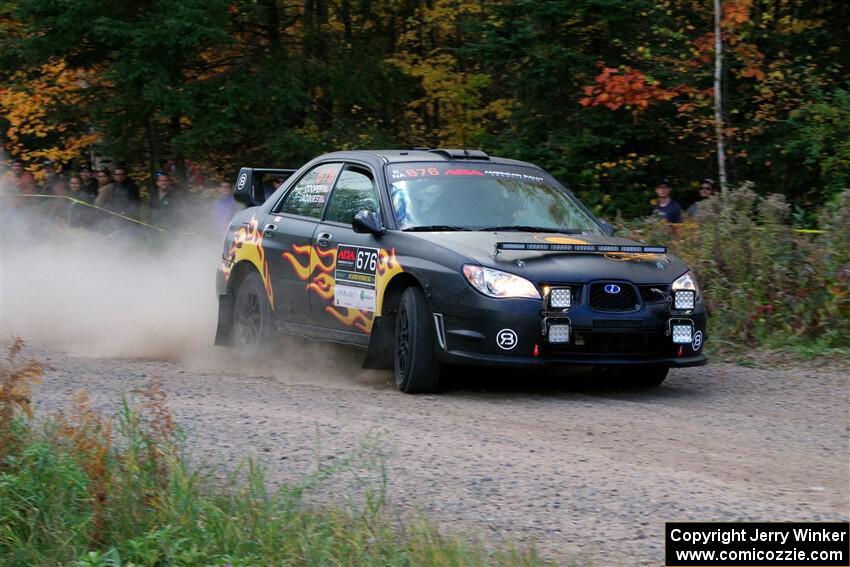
(29,102)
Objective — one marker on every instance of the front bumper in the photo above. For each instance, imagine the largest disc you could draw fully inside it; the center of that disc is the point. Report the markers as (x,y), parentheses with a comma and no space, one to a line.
(478,330)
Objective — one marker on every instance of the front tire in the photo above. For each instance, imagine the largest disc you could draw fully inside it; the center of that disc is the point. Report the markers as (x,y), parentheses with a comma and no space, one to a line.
(416,368)
(252,315)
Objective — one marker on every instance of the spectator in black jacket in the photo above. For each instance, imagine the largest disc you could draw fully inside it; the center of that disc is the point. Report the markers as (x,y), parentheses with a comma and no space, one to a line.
(166,201)
(125,195)
(89,182)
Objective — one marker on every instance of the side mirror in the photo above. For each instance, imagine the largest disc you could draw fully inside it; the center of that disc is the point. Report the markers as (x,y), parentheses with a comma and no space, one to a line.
(606,228)
(367,222)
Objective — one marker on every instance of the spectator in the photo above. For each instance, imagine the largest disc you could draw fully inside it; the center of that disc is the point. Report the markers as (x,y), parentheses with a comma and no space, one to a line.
(53,182)
(17,181)
(77,212)
(665,207)
(165,204)
(125,194)
(706,190)
(89,182)
(224,207)
(269,191)
(104,188)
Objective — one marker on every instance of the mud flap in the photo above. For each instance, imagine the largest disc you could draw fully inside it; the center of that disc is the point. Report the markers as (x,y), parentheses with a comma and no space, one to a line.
(380,352)
(224,330)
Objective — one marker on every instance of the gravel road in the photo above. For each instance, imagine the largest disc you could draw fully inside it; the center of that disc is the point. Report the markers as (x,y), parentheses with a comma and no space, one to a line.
(582,470)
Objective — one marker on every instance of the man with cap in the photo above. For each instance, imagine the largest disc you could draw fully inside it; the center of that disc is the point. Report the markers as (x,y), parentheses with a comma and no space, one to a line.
(665,207)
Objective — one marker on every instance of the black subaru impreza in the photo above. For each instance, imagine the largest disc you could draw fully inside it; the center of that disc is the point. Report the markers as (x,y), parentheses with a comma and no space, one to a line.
(432,257)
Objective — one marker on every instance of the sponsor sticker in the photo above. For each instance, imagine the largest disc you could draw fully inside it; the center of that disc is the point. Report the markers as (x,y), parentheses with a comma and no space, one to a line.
(242,180)
(355,277)
(697,342)
(506,339)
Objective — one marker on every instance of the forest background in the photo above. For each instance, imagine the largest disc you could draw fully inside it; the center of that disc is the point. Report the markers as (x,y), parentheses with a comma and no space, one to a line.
(608,95)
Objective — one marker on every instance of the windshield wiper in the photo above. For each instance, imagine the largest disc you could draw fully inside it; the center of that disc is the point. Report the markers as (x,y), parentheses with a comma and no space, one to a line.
(434,228)
(528,228)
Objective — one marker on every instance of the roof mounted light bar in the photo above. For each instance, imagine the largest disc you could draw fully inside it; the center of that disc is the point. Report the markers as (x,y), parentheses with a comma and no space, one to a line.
(580,248)
(454,153)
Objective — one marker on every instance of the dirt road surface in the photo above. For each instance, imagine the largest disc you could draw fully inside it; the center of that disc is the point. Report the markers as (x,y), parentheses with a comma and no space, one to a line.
(583,470)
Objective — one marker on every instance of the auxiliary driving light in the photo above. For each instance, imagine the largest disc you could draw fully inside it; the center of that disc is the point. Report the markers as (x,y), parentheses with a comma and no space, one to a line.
(682,334)
(559,334)
(684,299)
(561,298)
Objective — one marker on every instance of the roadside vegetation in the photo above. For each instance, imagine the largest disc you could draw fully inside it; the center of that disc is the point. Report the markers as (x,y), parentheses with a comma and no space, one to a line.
(83,489)
(766,284)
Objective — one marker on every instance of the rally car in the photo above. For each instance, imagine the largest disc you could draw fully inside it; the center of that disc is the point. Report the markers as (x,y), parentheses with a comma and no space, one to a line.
(443,256)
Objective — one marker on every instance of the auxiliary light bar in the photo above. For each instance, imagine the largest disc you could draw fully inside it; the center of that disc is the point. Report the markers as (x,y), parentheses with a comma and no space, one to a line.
(581,248)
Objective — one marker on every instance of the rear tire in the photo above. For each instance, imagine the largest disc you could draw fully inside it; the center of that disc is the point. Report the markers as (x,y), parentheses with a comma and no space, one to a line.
(252,315)
(415,364)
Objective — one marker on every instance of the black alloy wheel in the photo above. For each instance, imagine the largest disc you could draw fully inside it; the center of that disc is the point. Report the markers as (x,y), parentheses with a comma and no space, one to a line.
(251,314)
(416,367)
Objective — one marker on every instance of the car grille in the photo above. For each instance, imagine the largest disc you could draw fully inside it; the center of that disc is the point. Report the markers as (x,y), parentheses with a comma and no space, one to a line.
(625,300)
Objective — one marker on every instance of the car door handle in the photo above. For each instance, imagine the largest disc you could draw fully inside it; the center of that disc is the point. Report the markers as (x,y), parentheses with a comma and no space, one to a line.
(324,240)
(268,230)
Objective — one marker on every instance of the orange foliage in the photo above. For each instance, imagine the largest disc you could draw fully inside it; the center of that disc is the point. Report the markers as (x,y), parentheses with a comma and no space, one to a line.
(625,87)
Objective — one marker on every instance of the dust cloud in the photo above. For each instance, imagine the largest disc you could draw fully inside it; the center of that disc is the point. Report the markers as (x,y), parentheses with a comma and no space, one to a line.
(92,294)
(106,294)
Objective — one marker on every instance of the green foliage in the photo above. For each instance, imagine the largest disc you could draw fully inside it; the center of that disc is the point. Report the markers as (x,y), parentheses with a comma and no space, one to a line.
(571,85)
(823,139)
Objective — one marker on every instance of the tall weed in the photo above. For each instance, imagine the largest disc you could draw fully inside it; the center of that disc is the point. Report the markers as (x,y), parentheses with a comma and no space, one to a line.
(764,283)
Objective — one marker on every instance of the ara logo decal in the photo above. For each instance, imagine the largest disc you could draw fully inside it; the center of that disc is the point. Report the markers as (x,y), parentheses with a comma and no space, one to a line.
(506,339)
(613,289)
(346,254)
(697,342)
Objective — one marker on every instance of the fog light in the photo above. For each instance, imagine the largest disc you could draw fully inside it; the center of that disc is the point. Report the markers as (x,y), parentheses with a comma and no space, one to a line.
(682,334)
(684,299)
(559,334)
(561,298)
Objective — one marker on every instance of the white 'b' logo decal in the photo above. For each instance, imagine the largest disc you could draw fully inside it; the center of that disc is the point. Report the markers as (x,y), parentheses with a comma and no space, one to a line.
(697,343)
(506,339)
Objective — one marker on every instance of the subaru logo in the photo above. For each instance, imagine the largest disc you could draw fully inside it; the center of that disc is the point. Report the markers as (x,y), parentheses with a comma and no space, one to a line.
(612,288)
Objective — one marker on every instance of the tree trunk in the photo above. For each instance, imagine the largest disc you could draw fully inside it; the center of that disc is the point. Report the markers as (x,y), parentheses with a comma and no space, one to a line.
(718,97)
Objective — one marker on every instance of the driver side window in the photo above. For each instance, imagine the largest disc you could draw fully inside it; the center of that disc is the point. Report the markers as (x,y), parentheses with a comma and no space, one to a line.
(354,192)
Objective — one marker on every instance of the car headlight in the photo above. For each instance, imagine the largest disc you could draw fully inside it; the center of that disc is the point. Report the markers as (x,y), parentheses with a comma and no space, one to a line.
(686,281)
(495,283)
(685,291)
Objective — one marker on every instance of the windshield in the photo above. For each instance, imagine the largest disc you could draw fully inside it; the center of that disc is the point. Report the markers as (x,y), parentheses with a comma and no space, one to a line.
(450,196)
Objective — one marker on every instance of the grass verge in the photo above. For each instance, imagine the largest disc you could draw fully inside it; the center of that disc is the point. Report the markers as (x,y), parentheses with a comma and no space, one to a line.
(85,490)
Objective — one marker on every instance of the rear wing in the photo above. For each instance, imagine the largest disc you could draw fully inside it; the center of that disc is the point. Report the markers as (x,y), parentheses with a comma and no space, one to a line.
(256,184)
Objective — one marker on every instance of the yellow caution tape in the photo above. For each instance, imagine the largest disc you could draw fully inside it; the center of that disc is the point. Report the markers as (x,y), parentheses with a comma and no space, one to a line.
(84,203)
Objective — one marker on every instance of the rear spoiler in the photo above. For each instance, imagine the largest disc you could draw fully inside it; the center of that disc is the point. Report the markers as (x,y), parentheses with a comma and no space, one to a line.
(253,184)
